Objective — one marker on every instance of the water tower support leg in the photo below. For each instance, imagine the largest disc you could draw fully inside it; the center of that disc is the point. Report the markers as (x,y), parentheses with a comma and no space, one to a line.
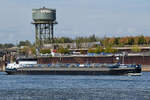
(52,33)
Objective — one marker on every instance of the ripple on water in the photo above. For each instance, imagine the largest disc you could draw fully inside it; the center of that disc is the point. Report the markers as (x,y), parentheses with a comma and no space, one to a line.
(37,87)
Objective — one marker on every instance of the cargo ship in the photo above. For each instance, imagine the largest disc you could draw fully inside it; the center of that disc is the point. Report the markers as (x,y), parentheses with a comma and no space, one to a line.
(28,66)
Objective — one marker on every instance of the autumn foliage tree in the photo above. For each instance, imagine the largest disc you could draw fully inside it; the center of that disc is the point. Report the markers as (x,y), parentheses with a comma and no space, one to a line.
(126,41)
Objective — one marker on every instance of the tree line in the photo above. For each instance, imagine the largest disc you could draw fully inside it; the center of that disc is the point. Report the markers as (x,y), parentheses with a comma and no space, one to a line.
(126,41)
(106,43)
(7,45)
(113,41)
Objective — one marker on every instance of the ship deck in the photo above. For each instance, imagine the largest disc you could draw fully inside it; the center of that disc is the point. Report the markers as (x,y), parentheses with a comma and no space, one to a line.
(70,69)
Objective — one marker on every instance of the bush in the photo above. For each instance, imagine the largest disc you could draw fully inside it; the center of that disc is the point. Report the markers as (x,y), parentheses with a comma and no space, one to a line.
(135,48)
(63,50)
(109,50)
(45,51)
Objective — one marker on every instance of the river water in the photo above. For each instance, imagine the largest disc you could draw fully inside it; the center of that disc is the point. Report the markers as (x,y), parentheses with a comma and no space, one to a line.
(49,87)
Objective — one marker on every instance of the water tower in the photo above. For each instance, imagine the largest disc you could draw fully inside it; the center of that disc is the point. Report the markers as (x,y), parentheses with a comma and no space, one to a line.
(44,20)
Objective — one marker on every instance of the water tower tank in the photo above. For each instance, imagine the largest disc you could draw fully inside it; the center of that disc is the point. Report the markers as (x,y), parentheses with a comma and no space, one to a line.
(44,14)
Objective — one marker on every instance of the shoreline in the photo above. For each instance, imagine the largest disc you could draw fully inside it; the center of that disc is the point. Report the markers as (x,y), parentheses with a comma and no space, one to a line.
(145,68)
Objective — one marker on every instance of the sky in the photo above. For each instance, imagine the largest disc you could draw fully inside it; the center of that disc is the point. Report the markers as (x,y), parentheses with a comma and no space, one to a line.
(75,18)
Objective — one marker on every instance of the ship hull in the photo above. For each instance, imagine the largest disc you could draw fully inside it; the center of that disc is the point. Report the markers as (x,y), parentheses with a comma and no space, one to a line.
(74,71)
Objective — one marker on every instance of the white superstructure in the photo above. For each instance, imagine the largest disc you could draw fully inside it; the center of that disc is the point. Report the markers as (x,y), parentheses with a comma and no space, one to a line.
(12,65)
(20,63)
